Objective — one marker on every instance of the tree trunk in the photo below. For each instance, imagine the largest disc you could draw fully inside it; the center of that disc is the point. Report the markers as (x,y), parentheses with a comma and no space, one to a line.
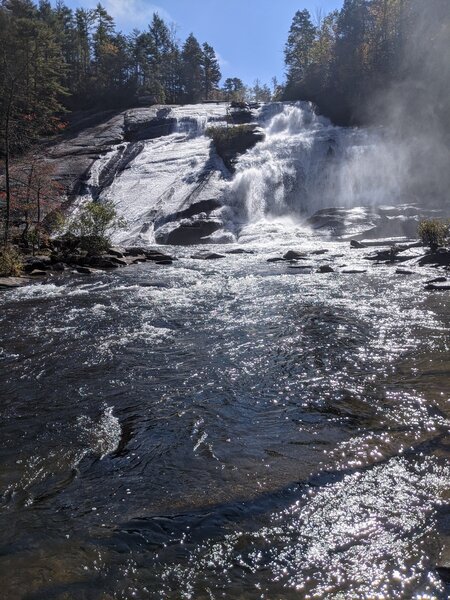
(7,180)
(7,165)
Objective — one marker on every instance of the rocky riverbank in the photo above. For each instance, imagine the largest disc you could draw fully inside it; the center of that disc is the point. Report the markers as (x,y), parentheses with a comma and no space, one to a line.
(66,259)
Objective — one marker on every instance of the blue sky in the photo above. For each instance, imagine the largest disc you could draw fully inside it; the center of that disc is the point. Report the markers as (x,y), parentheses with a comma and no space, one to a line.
(248,35)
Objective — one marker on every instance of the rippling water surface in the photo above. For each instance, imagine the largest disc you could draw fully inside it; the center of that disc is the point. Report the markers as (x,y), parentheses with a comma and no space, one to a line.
(225,429)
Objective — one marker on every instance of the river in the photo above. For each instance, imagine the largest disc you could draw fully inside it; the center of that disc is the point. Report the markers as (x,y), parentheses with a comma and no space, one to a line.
(226,429)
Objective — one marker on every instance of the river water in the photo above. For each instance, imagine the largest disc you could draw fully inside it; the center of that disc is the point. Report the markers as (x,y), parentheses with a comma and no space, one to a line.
(225,429)
(234,428)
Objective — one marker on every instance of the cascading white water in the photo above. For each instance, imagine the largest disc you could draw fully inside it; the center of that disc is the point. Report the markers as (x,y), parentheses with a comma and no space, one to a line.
(304,164)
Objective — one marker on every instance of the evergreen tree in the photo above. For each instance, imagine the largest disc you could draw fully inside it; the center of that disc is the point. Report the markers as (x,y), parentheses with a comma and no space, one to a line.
(211,71)
(234,89)
(298,48)
(192,64)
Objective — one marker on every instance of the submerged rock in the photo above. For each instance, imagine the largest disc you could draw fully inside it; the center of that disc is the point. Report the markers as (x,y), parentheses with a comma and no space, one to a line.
(207,256)
(239,251)
(85,270)
(294,255)
(325,269)
(438,287)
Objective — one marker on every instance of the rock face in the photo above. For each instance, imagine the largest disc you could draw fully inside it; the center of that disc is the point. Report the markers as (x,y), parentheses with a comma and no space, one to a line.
(233,141)
(148,123)
(186,233)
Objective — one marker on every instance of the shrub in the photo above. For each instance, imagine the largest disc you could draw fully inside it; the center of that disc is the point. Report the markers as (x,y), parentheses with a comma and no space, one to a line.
(11,264)
(94,225)
(434,232)
(226,135)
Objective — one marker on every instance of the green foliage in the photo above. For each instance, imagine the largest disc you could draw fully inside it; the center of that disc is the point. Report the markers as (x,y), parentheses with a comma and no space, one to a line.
(434,232)
(54,57)
(349,58)
(225,135)
(94,226)
(211,71)
(192,57)
(11,264)
(234,89)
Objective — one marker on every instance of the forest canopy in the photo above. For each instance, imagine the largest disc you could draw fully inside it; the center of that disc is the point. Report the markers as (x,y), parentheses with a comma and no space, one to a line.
(371,51)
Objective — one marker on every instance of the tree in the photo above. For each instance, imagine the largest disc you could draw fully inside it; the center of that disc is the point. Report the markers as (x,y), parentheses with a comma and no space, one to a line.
(260,93)
(35,193)
(192,60)
(31,71)
(298,48)
(211,71)
(94,226)
(234,89)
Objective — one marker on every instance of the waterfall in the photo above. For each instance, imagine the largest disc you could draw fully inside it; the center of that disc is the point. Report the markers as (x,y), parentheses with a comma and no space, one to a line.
(304,164)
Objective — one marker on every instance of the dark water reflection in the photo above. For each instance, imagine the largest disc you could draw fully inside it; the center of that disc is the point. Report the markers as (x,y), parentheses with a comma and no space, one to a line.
(224,430)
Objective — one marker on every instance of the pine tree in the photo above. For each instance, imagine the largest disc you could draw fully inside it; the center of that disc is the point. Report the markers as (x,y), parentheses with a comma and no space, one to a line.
(211,71)
(298,47)
(192,57)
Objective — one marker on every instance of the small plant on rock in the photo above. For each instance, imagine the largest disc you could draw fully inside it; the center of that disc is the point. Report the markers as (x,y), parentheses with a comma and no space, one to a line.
(434,233)
(11,263)
(94,225)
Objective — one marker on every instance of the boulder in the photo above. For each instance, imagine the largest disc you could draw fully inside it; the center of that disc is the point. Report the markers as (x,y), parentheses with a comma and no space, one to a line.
(38,273)
(207,256)
(436,280)
(275,259)
(187,233)
(59,266)
(99,262)
(41,263)
(239,251)
(155,255)
(118,252)
(441,258)
(135,251)
(404,272)
(356,244)
(121,262)
(353,271)
(300,267)
(85,270)
(13,282)
(164,262)
(325,269)
(391,255)
(294,255)
(438,287)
